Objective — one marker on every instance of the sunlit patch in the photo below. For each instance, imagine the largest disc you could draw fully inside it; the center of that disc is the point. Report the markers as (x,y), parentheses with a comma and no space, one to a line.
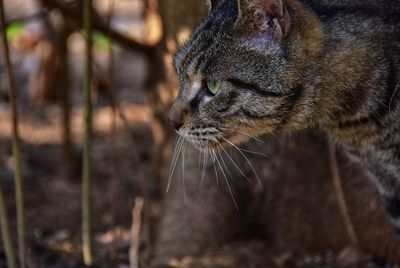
(183,35)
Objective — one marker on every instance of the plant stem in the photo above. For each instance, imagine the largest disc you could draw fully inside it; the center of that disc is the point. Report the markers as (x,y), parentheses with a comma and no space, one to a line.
(19,185)
(87,169)
(5,233)
(113,183)
(66,100)
(134,261)
(340,196)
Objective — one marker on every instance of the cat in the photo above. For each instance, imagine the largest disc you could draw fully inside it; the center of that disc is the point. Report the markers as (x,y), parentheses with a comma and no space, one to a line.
(278,66)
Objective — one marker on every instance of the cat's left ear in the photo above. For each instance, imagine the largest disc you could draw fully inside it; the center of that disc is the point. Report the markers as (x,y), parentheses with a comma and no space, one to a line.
(256,16)
(214,4)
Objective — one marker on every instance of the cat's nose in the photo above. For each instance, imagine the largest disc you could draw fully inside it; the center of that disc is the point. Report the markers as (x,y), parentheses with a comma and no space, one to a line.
(177,115)
(176,125)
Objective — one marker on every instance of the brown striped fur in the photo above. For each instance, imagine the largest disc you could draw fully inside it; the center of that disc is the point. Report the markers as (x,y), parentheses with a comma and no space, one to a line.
(291,65)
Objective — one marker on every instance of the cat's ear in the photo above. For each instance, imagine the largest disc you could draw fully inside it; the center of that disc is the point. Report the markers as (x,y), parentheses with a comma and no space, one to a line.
(214,4)
(256,16)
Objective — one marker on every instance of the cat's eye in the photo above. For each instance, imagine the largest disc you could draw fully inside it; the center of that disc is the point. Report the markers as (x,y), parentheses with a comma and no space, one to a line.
(213,86)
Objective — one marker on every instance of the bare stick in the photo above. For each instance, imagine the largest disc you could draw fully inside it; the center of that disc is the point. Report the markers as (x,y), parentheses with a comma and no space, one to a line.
(340,197)
(135,232)
(66,101)
(87,238)
(113,184)
(5,233)
(19,184)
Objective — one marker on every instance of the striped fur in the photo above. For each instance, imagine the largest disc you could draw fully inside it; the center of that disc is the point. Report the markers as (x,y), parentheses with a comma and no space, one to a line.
(291,65)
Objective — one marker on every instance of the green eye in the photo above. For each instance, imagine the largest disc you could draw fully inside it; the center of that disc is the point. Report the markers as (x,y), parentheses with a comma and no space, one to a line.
(213,86)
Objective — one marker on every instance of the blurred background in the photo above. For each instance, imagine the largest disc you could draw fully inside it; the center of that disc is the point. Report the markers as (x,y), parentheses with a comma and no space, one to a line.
(133,87)
(131,90)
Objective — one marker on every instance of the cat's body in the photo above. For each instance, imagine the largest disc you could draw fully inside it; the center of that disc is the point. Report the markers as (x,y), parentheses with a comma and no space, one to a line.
(366,117)
(363,51)
(291,65)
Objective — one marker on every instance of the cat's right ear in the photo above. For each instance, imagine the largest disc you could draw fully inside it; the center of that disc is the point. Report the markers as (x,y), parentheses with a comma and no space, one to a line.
(256,16)
(214,4)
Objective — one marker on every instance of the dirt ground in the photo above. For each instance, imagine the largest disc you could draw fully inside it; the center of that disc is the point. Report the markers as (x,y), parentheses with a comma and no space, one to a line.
(53,202)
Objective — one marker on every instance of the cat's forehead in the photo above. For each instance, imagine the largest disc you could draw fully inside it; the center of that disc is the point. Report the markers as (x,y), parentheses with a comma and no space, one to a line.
(204,57)
(205,39)
(196,50)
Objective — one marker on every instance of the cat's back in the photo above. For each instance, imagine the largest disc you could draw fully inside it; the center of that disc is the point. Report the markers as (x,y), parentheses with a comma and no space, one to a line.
(373,23)
(387,10)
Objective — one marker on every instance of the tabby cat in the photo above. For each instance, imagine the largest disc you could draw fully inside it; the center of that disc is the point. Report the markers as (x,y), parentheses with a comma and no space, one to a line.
(274,66)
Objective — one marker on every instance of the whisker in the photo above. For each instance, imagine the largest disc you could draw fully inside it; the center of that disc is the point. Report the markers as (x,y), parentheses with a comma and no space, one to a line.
(183,172)
(174,154)
(182,140)
(215,167)
(276,137)
(204,168)
(227,183)
(244,134)
(253,152)
(225,166)
(247,135)
(200,154)
(247,160)
(233,162)
(178,152)
(255,138)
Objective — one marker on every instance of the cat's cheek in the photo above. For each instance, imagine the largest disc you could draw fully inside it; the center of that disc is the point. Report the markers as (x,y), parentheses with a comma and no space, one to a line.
(239,139)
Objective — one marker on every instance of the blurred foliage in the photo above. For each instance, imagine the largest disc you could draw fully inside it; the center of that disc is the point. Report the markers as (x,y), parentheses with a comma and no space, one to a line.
(101,41)
(15,30)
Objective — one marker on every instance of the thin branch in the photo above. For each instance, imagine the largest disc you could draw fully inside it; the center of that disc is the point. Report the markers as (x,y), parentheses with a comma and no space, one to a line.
(64,74)
(118,110)
(5,233)
(19,184)
(340,197)
(73,11)
(135,232)
(113,184)
(31,17)
(87,238)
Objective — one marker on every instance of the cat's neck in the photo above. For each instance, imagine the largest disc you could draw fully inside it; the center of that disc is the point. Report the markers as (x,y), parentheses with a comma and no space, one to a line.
(349,74)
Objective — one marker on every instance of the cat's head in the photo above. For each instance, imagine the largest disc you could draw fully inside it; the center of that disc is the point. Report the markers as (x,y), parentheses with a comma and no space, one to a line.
(235,77)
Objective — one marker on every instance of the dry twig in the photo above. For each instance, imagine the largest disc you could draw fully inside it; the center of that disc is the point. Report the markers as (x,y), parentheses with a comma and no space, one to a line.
(5,233)
(340,197)
(135,233)
(19,184)
(87,238)
(113,186)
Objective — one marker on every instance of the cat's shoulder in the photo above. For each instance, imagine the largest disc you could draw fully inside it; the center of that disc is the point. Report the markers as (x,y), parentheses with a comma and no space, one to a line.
(388,10)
